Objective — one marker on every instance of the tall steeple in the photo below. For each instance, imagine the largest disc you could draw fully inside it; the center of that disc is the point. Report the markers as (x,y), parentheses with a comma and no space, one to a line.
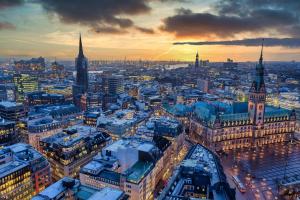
(197,60)
(260,72)
(81,84)
(261,52)
(80,53)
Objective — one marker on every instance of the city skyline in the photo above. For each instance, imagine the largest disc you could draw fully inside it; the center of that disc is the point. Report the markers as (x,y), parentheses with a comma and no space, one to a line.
(150,29)
(133,122)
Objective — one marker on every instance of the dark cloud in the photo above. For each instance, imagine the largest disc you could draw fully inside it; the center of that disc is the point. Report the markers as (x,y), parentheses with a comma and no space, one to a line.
(10,3)
(102,16)
(145,30)
(232,17)
(7,4)
(6,26)
(108,30)
(286,42)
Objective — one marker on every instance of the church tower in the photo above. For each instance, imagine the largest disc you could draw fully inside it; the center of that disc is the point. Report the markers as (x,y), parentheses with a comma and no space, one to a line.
(81,69)
(197,60)
(81,83)
(257,94)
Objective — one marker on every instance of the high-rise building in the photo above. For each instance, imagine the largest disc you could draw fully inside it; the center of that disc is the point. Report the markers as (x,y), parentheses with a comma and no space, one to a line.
(25,83)
(203,85)
(113,85)
(24,172)
(91,101)
(81,83)
(69,150)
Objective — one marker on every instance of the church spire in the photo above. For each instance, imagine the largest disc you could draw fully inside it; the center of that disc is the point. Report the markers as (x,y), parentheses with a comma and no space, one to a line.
(261,53)
(197,60)
(80,54)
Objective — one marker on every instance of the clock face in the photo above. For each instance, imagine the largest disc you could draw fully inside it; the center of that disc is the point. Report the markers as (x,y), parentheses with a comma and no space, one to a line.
(260,107)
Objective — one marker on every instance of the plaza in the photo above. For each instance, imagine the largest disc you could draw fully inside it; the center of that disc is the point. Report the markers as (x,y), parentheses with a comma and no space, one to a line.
(265,171)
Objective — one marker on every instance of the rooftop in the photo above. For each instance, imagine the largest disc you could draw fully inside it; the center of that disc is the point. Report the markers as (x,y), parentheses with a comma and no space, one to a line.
(200,167)
(74,134)
(126,143)
(138,171)
(17,156)
(107,193)
(9,104)
(207,112)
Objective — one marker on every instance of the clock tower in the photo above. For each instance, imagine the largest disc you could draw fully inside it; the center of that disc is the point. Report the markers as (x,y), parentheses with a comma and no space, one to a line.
(257,94)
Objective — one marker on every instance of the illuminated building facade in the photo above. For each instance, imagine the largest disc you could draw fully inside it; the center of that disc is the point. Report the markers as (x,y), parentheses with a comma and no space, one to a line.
(25,83)
(221,126)
(91,118)
(32,66)
(62,89)
(12,111)
(135,165)
(58,70)
(23,172)
(91,101)
(42,127)
(69,150)
(42,98)
(7,132)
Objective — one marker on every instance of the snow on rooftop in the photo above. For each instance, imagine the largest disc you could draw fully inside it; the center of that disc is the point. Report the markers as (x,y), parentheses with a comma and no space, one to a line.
(8,104)
(107,193)
(93,166)
(130,143)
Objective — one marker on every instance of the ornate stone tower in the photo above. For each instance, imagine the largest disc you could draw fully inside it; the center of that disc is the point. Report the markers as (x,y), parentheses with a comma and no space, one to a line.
(257,94)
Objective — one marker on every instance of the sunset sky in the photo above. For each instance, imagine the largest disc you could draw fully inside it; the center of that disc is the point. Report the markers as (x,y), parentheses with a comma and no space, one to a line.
(148,29)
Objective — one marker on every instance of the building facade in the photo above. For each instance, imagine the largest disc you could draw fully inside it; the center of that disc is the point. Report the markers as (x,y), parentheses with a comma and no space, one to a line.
(222,126)
(251,124)
(12,111)
(24,172)
(199,176)
(7,132)
(71,149)
(42,127)
(25,83)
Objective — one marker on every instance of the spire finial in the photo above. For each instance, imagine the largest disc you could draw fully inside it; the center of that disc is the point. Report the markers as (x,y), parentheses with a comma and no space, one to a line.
(261,53)
(80,46)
